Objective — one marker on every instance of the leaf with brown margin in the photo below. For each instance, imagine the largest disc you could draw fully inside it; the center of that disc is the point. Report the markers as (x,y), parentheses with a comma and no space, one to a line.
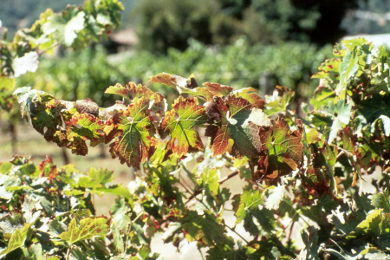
(170,80)
(46,116)
(329,70)
(284,148)
(251,95)
(184,137)
(79,129)
(233,133)
(132,90)
(134,134)
(209,90)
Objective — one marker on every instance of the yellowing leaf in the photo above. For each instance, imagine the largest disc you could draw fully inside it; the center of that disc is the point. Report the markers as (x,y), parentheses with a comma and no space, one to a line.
(180,123)
(87,229)
(285,148)
(134,134)
(17,240)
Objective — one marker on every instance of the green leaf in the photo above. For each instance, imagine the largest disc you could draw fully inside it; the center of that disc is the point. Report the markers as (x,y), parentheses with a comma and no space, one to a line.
(37,252)
(78,254)
(117,190)
(6,87)
(249,201)
(101,176)
(343,115)
(5,167)
(88,228)
(65,26)
(17,239)
(120,217)
(233,131)
(134,134)
(329,72)
(322,96)
(180,122)
(371,223)
(251,95)
(381,201)
(205,229)
(278,102)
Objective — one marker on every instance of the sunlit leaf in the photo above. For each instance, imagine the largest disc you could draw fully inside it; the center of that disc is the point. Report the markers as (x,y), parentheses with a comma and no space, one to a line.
(134,135)
(87,229)
(180,122)
(65,27)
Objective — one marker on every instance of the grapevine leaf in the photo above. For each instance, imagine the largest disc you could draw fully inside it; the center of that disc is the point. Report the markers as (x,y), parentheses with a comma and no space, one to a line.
(209,90)
(329,71)
(375,107)
(28,98)
(88,228)
(117,190)
(120,221)
(65,26)
(177,82)
(343,114)
(46,117)
(37,252)
(275,197)
(29,62)
(101,176)
(371,223)
(322,95)
(79,129)
(180,123)
(134,134)
(381,200)
(285,149)
(312,136)
(234,132)
(278,102)
(251,95)
(203,228)
(249,201)
(79,254)
(226,251)
(131,91)
(17,239)
(6,86)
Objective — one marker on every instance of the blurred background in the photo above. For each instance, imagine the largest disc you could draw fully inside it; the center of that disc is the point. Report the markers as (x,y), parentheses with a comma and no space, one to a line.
(241,43)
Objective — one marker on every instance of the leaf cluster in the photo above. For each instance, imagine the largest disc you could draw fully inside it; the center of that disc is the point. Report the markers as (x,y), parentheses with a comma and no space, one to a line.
(299,169)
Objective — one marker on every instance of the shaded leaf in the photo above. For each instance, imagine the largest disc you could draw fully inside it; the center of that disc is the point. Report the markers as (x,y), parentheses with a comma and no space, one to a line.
(285,149)
(234,133)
